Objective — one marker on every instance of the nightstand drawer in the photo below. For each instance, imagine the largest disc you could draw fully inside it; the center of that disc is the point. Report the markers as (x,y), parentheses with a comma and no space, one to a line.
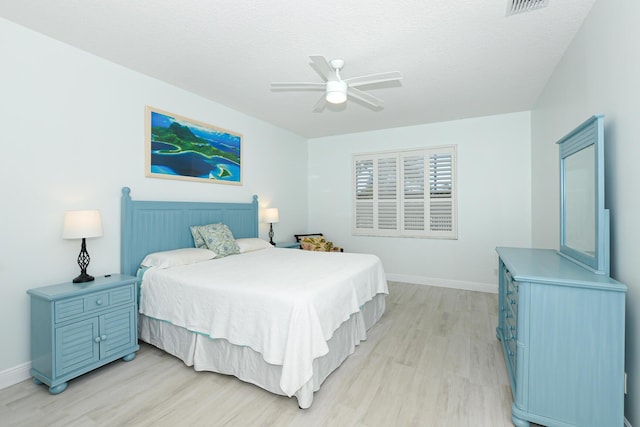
(69,308)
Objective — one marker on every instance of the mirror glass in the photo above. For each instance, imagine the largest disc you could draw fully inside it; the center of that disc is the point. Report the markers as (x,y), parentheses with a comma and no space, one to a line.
(580,201)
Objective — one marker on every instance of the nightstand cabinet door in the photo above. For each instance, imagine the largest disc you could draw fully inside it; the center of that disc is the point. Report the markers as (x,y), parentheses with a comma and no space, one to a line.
(78,327)
(117,332)
(76,347)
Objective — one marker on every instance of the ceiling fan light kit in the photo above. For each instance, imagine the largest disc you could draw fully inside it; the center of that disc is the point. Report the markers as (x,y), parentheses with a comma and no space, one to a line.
(336,89)
(336,92)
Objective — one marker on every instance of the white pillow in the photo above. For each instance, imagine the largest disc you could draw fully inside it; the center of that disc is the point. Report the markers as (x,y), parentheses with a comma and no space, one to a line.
(252,244)
(177,257)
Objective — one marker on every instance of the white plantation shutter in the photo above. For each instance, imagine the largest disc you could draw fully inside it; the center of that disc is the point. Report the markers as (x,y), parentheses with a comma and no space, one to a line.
(364,194)
(387,193)
(406,194)
(441,192)
(413,185)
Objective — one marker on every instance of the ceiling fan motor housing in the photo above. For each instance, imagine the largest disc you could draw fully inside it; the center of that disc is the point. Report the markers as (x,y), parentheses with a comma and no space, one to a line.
(337,64)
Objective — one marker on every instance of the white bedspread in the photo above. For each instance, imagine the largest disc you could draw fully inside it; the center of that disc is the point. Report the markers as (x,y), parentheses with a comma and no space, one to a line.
(283,303)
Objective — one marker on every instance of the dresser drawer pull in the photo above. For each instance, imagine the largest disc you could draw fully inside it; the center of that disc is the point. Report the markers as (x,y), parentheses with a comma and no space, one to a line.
(100,338)
(99,302)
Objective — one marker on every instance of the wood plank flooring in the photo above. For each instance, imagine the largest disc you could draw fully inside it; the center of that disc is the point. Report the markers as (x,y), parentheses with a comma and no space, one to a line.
(432,360)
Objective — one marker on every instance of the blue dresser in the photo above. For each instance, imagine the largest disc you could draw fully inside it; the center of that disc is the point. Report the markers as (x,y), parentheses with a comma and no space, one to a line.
(562,333)
(77,327)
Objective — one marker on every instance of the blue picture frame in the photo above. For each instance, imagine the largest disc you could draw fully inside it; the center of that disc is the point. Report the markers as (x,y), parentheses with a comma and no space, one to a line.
(185,149)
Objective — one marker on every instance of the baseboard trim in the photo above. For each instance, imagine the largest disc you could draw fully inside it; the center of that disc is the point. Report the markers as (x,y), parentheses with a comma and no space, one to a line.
(14,375)
(444,283)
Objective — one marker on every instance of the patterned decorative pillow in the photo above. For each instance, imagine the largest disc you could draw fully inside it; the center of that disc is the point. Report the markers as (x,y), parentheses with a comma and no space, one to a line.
(198,241)
(219,239)
(316,244)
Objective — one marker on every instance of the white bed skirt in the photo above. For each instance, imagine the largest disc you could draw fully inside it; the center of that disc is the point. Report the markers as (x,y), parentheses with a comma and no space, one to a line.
(218,355)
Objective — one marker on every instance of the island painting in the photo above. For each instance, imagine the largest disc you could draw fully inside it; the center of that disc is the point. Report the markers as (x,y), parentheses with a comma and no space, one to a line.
(182,148)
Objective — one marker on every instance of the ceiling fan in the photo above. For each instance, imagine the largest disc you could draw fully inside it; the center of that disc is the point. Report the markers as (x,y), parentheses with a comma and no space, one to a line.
(336,89)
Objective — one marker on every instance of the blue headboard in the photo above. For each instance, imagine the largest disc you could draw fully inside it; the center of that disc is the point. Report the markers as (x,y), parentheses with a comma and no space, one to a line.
(152,226)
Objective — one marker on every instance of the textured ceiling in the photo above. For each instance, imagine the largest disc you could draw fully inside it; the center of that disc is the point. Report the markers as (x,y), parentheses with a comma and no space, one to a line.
(459,59)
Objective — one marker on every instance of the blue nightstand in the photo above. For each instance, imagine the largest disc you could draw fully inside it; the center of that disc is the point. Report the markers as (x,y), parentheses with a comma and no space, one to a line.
(78,327)
(288,245)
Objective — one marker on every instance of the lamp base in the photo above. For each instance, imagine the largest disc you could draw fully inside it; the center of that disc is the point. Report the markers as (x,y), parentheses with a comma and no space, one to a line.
(271,234)
(83,277)
(83,263)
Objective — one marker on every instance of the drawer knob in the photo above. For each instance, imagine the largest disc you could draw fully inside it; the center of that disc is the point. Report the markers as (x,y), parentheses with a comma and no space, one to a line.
(103,337)
(99,302)
(97,339)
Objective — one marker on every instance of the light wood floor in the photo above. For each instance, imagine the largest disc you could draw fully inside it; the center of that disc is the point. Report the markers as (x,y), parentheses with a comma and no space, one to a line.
(432,360)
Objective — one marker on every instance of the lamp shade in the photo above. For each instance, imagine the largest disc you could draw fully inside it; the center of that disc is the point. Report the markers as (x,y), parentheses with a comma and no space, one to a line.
(81,224)
(271,215)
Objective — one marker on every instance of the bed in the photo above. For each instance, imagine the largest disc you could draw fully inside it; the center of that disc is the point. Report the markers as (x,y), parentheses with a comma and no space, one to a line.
(282,319)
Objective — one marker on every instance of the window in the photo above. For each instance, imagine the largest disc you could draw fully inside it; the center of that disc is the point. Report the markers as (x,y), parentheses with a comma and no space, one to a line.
(406,193)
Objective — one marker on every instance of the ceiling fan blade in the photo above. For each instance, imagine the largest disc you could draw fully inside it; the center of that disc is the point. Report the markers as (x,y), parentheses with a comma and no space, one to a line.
(374,78)
(323,68)
(298,86)
(365,97)
(319,106)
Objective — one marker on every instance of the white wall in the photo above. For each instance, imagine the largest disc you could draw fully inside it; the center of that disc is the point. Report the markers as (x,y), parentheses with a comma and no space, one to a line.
(599,73)
(494,198)
(73,135)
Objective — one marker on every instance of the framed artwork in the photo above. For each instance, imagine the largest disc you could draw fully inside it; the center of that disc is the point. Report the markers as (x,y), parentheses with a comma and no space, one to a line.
(180,148)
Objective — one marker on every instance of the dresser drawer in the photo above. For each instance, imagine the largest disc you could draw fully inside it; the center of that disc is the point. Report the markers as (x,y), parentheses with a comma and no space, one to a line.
(510,336)
(511,292)
(511,285)
(510,323)
(511,302)
(72,307)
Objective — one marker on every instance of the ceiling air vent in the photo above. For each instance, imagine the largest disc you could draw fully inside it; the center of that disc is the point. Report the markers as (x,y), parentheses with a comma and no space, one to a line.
(520,6)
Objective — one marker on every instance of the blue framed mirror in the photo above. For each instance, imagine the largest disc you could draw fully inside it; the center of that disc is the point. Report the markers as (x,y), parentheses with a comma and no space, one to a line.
(584,222)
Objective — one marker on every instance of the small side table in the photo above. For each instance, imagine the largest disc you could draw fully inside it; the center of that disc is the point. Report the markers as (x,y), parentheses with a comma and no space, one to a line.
(78,327)
(288,245)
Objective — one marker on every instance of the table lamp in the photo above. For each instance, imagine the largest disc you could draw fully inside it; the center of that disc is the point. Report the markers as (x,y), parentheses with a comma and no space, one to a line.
(82,225)
(271,216)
